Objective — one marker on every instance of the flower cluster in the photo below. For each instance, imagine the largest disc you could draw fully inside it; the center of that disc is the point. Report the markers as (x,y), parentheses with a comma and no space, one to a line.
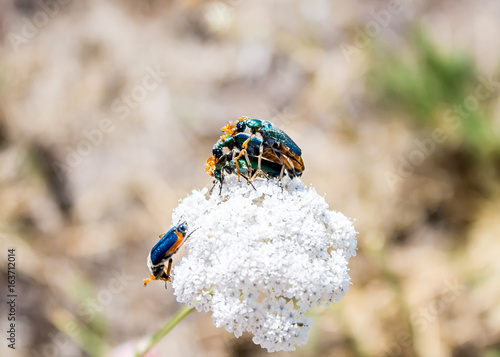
(262,257)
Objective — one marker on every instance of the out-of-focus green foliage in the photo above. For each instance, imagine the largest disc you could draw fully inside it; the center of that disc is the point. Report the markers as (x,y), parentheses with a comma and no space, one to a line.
(431,88)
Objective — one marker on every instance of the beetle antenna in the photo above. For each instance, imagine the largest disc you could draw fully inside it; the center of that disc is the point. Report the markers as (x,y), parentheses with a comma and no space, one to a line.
(189,235)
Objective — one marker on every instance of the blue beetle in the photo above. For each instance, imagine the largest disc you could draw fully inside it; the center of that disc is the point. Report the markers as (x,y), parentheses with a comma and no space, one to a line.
(167,246)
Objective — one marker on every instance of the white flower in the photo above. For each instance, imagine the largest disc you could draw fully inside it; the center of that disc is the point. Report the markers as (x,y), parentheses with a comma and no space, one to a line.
(268,255)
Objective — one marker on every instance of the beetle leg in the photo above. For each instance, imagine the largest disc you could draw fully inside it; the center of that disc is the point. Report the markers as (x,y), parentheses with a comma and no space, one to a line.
(168,269)
(244,146)
(243,151)
(282,171)
(221,183)
(261,148)
(248,164)
(235,160)
(248,181)
(146,281)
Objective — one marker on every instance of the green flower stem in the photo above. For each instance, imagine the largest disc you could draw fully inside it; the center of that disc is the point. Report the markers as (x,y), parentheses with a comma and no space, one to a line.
(165,330)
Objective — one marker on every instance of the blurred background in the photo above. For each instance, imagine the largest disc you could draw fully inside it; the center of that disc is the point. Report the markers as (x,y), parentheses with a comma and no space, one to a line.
(109,109)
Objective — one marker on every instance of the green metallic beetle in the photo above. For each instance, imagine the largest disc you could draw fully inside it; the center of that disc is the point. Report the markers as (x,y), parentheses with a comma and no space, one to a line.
(287,151)
(261,139)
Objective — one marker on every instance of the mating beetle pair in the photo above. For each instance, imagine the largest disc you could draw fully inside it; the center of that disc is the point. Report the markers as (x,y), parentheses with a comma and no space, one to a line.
(167,246)
(266,151)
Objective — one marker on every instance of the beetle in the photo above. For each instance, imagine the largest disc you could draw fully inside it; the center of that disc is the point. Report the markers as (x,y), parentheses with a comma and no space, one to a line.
(287,151)
(163,251)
